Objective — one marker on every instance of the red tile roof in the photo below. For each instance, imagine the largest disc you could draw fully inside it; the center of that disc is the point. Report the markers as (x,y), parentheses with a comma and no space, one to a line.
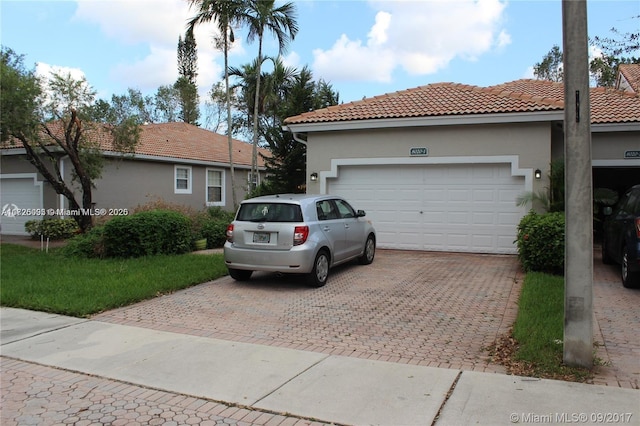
(189,142)
(179,141)
(631,73)
(450,99)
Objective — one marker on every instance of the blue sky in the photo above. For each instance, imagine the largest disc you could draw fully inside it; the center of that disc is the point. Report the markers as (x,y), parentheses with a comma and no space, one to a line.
(363,48)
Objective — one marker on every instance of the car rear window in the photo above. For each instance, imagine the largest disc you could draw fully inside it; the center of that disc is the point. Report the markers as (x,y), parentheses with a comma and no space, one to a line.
(269,212)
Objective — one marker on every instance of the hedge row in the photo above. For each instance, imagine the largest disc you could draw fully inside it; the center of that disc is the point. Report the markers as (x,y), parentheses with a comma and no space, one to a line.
(55,229)
(540,242)
(150,232)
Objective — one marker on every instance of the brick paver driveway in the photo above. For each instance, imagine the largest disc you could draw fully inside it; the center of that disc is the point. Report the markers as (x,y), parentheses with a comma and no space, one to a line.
(436,309)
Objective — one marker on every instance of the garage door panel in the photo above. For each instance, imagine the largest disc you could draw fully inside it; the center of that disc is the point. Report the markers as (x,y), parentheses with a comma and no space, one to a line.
(484,218)
(459,218)
(21,193)
(433,194)
(459,195)
(488,195)
(447,207)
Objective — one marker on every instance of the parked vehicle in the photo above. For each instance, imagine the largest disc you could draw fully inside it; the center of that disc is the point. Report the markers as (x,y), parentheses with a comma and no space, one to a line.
(297,233)
(621,237)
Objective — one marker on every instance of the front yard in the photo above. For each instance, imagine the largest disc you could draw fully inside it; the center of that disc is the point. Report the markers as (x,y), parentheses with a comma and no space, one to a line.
(50,282)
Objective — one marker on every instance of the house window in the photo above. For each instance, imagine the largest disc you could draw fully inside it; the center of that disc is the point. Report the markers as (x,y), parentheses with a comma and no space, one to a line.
(182,180)
(215,187)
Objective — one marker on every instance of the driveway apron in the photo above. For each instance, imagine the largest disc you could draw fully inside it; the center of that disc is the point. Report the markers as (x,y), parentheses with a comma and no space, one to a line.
(424,308)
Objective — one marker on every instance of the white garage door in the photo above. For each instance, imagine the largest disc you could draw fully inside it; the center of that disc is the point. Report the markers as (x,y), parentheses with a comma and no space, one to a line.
(457,207)
(22,194)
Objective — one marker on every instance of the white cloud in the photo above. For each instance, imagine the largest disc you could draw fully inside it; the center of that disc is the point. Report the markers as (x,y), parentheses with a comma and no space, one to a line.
(156,26)
(44,71)
(136,21)
(378,33)
(419,37)
(351,61)
(291,60)
(529,73)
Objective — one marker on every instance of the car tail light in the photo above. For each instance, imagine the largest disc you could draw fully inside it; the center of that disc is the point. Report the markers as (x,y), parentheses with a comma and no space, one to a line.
(230,233)
(300,234)
(638,227)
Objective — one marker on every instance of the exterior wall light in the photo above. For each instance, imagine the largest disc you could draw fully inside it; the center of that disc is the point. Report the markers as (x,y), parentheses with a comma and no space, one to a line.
(313,177)
(537,174)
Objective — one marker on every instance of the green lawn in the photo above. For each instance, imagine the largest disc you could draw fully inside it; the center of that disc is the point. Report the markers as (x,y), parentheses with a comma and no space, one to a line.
(539,328)
(50,282)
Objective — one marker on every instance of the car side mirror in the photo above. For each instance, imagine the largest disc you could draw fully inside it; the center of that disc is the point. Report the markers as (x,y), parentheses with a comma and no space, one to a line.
(360,213)
(607,210)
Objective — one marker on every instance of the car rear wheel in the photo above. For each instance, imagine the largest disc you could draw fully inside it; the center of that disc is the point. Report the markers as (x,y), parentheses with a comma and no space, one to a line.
(369,251)
(240,274)
(629,279)
(318,276)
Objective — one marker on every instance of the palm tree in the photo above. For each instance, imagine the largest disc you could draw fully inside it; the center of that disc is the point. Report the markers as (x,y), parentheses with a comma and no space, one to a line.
(226,14)
(262,15)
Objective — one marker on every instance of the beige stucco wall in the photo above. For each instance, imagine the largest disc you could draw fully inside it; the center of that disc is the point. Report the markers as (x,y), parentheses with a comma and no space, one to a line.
(530,142)
(611,146)
(128,183)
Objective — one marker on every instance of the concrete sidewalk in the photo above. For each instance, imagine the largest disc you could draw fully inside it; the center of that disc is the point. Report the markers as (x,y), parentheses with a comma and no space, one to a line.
(331,389)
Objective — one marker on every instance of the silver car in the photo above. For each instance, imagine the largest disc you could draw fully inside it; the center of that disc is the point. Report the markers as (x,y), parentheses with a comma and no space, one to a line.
(297,233)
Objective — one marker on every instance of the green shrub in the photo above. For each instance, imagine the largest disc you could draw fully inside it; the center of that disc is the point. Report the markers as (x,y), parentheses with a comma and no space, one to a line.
(55,229)
(540,242)
(148,233)
(218,213)
(215,231)
(88,245)
(213,226)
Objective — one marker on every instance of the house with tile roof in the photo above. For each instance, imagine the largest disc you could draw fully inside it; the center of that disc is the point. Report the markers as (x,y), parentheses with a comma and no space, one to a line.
(441,166)
(176,162)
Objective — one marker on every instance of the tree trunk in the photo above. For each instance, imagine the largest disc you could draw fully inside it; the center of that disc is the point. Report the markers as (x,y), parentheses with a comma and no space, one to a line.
(256,109)
(229,135)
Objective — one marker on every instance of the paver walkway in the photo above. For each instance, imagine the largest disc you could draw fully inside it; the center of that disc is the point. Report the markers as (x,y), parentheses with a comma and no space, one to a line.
(33,394)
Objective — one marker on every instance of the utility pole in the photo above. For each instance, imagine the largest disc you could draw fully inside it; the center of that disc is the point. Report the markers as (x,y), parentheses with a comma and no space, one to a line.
(578,289)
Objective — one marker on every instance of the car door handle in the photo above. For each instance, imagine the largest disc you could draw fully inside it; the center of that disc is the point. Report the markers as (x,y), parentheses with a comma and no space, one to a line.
(326,228)
(346,226)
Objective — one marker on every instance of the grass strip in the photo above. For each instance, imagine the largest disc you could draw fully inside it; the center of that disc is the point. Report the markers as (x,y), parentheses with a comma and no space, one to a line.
(539,328)
(50,282)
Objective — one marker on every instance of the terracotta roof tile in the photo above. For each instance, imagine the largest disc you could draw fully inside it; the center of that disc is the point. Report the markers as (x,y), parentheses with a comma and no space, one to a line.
(181,141)
(450,99)
(189,142)
(631,73)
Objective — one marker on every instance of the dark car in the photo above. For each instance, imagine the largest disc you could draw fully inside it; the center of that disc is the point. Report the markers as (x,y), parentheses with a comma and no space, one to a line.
(621,237)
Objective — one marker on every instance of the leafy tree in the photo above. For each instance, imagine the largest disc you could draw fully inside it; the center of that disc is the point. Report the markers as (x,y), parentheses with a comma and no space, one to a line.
(225,13)
(604,68)
(59,117)
(620,44)
(134,104)
(188,57)
(166,105)
(291,92)
(261,16)
(189,100)
(551,66)
(186,83)
(216,111)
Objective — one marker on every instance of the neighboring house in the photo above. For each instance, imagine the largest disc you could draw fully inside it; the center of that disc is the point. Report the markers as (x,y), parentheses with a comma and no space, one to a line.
(175,162)
(440,167)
